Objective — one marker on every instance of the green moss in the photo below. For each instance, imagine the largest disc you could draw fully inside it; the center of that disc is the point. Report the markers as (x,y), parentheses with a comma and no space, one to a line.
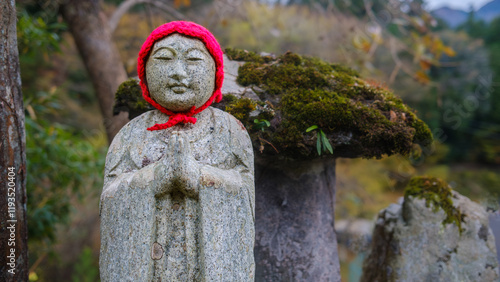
(437,193)
(359,117)
(129,99)
(241,109)
(247,56)
(343,69)
(291,58)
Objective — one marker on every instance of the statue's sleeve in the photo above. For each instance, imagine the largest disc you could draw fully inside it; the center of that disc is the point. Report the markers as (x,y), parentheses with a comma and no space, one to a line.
(227,198)
(127,215)
(120,170)
(119,166)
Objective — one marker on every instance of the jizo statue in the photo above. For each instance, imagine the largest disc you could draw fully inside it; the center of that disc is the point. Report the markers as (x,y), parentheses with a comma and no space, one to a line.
(178,197)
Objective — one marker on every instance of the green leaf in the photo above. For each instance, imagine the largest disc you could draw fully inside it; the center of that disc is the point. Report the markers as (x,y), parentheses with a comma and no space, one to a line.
(318,144)
(327,143)
(267,123)
(311,128)
(323,137)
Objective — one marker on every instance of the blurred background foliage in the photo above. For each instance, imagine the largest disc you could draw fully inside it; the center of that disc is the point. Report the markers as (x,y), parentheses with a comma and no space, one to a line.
(450,76)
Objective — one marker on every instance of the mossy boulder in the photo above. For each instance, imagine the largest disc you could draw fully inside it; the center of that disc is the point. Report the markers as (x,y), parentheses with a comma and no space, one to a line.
(412,240)
(352,116)
(437,195)
(359,118)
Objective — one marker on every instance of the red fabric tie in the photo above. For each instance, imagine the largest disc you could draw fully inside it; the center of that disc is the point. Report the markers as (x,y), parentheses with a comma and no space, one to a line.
(173,120)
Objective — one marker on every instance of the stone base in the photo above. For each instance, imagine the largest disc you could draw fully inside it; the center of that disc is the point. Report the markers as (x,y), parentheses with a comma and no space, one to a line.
(295,236)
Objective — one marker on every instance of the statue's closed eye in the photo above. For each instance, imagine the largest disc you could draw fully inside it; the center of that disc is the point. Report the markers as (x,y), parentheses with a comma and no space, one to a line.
(164,54)
(194,55)
(165,58)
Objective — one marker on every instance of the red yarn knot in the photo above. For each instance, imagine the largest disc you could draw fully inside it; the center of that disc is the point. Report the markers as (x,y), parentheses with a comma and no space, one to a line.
(173,120)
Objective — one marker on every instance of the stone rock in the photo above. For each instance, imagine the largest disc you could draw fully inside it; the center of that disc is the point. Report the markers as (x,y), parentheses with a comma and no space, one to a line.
(410,243)
(495,227)
(295,235)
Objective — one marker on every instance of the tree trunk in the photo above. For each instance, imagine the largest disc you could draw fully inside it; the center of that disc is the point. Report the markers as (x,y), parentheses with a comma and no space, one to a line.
(294,222)
(13,227)
(89,27)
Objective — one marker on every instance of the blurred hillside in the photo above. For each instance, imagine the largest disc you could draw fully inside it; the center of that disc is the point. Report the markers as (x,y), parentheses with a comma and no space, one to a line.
(453,17)
(450,76)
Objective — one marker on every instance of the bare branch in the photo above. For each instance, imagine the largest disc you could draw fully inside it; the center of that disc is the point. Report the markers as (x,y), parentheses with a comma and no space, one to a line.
(128,4)
(120,11)
(167,9)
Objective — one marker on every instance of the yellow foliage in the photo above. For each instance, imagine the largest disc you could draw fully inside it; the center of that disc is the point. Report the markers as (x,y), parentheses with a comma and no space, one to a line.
(425,64)
(180,3)
(422,77)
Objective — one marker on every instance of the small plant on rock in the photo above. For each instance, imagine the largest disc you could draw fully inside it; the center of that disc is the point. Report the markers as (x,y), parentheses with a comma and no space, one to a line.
(322,143)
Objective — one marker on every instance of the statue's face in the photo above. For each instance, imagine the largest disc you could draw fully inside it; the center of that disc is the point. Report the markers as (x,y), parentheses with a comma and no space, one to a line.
(180,73)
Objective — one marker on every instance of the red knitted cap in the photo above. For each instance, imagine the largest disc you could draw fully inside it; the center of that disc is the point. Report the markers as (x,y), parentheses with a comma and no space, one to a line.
(189,29)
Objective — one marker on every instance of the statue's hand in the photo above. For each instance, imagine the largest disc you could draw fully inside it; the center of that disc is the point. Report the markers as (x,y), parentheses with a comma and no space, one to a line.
(163,173)
(185,169)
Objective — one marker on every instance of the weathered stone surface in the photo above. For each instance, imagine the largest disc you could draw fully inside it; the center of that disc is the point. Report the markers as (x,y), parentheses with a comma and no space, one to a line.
(178,204)
(295,235)
(410,243)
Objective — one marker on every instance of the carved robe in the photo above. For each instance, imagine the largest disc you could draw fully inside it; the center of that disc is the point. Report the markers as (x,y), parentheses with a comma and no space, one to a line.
(174,237)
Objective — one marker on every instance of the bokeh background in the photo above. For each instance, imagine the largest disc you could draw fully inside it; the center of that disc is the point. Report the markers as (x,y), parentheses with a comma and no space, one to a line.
(442,61)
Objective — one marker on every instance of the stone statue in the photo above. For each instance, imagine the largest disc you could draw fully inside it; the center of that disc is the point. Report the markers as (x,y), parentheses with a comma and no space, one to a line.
(178,196)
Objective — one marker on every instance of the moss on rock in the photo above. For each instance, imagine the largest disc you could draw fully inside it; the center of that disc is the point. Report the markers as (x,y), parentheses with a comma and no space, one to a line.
(129,99)
(437,193)
(241,108)
(360,118)
(247,56)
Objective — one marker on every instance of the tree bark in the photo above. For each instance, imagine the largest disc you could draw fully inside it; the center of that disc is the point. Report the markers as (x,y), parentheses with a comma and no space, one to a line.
(13,225)
(294,221)
(89,27)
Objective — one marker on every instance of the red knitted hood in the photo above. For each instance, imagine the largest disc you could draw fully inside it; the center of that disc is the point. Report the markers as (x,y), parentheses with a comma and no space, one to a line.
(192,30)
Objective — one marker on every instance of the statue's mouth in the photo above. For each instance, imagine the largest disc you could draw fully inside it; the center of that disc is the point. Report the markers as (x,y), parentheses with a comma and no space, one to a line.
(178,88)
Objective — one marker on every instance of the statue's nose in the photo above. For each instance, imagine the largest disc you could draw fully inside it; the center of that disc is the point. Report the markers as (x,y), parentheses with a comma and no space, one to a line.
(179,70)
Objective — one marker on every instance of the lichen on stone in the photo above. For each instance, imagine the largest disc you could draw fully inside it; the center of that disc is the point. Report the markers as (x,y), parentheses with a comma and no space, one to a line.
(437,194)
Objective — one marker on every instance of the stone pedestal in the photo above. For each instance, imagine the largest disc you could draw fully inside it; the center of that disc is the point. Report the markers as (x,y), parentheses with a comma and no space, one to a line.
(295,236)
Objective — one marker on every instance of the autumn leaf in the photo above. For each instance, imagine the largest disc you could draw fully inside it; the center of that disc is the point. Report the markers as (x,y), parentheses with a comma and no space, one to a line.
(362,43)
(422,77)
(449,51)
(425,64)
(179,3)
(393,115)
